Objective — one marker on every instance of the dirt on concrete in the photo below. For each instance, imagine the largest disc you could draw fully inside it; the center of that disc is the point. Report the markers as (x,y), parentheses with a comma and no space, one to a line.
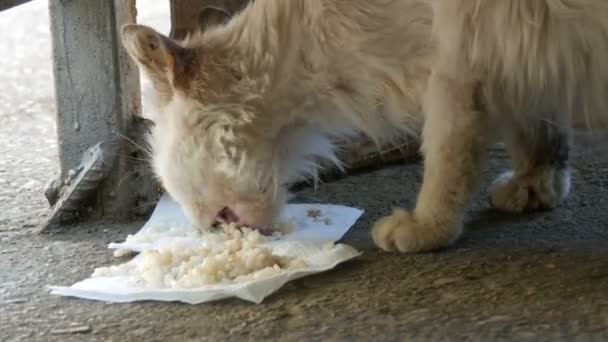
(535,277)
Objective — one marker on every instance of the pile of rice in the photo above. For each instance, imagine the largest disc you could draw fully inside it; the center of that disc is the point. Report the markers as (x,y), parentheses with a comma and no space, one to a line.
(227,255)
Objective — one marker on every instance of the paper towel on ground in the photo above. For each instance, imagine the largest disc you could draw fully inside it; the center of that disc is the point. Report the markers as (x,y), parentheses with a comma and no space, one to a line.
(168,225)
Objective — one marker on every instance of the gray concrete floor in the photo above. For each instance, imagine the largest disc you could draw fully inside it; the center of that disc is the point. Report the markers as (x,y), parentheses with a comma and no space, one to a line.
(533,277)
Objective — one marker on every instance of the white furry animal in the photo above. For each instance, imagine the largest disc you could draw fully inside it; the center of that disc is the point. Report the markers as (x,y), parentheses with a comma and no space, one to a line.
(250,106)
(520,70)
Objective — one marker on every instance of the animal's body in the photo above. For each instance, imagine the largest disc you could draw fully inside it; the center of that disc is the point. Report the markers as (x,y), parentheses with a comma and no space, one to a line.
(250,106)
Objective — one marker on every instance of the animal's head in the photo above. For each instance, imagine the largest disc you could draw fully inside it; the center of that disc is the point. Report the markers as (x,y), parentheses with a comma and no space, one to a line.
(221,147)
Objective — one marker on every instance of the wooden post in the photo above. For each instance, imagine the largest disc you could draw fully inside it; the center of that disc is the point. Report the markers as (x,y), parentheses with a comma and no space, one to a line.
(98,100)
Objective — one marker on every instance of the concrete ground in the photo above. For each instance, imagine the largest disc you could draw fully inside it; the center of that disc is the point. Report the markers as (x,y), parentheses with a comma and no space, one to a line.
(533,277)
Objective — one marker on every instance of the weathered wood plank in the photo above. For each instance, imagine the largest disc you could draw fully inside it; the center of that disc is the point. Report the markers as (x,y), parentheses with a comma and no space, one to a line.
(188,16)
(97,95)
(6,4)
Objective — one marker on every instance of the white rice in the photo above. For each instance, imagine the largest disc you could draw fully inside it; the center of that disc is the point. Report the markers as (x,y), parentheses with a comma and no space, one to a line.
(225,256)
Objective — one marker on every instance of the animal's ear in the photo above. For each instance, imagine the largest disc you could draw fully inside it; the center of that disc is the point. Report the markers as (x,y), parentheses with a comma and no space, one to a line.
(161,56)
(214,16)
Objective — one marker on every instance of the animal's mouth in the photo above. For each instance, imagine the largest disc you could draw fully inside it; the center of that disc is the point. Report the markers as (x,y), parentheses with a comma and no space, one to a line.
(228,216)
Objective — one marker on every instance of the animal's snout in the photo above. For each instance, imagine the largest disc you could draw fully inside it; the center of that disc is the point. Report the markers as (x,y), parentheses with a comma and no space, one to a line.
(227,215)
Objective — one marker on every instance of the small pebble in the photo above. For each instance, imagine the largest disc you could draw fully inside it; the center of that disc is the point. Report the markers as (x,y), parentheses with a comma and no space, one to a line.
(74,329)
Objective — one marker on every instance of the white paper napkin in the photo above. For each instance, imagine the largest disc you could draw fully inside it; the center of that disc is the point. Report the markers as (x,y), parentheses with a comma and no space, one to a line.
(331,225)
(309,241)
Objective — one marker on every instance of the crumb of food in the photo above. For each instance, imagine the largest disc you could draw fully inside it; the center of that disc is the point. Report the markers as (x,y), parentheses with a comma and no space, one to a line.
(314,213)
(317,216)
(239,256)
(121,253)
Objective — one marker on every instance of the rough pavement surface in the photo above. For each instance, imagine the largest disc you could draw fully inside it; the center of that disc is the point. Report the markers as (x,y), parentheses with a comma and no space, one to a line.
(533,277)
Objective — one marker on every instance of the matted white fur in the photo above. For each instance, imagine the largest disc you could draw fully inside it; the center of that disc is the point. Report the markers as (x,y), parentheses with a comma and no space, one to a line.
(247,108)
(253,105)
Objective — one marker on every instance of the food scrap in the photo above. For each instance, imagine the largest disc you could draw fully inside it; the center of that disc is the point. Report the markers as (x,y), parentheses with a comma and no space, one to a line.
(317,216)
(314,213)
(234,255)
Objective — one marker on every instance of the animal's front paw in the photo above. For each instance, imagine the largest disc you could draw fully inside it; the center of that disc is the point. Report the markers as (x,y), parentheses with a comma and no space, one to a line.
(403,232)
(543,189)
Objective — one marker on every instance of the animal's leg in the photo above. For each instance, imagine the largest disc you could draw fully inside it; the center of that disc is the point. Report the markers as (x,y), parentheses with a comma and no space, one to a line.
(540,178)
(454,141)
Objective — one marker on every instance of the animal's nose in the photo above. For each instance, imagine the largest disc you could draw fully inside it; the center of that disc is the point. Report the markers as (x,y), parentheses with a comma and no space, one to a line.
(227,215)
